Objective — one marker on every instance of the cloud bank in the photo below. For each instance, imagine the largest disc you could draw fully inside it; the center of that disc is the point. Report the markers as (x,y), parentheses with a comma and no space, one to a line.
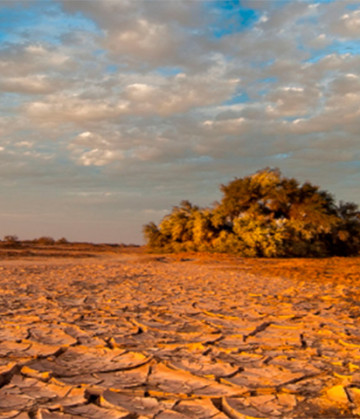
(114,111)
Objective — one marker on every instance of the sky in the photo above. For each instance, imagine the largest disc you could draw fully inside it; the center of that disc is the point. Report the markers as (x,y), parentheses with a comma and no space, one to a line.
(114,111)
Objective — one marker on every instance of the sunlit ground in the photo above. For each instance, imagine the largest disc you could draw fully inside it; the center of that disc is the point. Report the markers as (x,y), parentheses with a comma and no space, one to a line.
(130,335)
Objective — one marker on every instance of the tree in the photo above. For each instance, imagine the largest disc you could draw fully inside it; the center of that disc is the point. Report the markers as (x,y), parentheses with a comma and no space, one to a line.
(11,238)
(153,236)
(44,241)
(263,214)
(346,235)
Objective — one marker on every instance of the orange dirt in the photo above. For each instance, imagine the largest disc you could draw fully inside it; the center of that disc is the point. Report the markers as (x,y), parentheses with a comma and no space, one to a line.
(132,335)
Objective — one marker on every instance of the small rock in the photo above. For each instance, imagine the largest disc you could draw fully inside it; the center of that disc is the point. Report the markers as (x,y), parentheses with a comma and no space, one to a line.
(337,394)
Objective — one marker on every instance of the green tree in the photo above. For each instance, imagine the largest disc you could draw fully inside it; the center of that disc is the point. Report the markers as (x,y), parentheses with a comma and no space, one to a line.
(263,214)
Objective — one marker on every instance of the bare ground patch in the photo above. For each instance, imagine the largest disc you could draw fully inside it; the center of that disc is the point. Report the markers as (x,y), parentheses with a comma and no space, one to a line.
(179,336)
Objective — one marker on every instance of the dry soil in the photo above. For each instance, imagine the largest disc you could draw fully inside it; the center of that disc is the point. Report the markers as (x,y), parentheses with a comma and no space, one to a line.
(139,336)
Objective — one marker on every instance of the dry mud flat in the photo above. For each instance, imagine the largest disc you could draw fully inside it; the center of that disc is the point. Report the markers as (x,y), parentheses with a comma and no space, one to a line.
(145,337)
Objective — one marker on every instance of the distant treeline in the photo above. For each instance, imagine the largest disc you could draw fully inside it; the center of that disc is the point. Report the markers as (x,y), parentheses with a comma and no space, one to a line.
(44,240)
(262,215)
(13,241)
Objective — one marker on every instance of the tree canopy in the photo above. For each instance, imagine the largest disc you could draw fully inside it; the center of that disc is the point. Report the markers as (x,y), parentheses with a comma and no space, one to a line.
(262,215)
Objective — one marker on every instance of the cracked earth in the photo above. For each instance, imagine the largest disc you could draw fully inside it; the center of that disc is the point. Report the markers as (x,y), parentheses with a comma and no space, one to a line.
(138,336)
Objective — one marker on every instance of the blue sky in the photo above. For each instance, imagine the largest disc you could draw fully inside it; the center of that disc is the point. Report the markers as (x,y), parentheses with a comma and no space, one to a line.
(230,17)
(112,112)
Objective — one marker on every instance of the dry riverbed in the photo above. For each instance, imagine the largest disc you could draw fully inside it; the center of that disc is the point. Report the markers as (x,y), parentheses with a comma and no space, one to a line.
(138,336)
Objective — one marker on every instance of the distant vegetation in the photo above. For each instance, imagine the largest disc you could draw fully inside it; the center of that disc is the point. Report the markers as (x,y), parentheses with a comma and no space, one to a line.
(41,241)
(262,215)
(12,247)
(10,241)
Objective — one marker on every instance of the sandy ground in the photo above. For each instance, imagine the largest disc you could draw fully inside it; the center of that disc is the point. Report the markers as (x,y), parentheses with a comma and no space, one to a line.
(136,336)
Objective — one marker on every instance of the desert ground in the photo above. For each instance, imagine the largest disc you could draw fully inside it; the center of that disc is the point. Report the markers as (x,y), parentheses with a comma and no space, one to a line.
(130,335)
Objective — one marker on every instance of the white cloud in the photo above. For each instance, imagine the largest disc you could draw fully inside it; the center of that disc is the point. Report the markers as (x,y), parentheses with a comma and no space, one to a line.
(227,126)
(292,101)
(348,25)
(144,40)
(98,157)
(60,108)
(158,95)
(36,84)
(24,60)
(91,149)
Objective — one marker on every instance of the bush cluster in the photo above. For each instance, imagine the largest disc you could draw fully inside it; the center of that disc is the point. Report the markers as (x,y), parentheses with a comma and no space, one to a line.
(262,215)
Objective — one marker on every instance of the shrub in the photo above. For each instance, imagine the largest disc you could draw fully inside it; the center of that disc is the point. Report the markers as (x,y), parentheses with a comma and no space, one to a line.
(45,241)
(12,238)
